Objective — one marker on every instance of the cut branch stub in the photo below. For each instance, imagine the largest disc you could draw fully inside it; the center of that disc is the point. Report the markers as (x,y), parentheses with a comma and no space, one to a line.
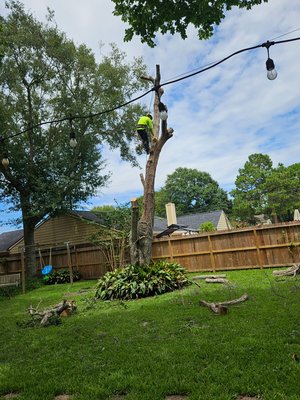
(222,307)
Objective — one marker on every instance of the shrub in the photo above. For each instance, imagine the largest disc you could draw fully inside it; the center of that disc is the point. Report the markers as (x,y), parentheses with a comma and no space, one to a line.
(60,276)
(207,227)
(133,281)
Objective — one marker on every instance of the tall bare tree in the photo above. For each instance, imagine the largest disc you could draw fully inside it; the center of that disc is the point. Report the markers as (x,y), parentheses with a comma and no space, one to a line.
(142,232)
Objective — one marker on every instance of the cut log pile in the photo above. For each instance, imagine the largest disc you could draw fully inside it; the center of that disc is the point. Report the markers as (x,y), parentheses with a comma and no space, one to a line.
(63,309)
(292,271)
(222,307)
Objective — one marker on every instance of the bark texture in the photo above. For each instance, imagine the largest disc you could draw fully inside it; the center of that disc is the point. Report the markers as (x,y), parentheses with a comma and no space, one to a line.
(142,245)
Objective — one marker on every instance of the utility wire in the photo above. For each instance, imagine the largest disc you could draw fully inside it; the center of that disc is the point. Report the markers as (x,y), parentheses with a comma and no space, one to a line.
(92,115)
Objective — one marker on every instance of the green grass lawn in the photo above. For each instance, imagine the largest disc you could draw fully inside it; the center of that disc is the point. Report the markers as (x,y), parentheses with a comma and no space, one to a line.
(152,348)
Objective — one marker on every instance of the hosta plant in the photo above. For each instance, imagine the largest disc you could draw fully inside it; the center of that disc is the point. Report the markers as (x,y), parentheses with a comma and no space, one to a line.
(133,281)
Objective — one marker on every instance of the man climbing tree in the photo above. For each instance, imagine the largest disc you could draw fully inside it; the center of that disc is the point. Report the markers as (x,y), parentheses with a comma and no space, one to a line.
(145,130)
(142,231)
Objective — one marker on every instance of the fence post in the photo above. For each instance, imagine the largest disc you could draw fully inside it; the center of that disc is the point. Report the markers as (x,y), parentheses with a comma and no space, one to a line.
(211,254)
(170,249)
(260,263)
(23,270)
(70,263)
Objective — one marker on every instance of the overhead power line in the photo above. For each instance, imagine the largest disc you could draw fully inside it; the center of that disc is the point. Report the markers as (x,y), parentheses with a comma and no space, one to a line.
(97,114)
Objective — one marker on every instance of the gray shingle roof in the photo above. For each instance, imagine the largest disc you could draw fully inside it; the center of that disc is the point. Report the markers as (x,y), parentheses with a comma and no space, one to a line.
(7,239)
(89,216)
(192,221)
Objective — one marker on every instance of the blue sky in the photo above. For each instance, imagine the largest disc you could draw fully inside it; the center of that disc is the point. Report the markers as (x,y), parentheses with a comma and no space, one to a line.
(219,117)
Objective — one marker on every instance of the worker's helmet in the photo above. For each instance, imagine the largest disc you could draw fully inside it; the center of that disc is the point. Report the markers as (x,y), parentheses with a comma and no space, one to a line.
(149,115)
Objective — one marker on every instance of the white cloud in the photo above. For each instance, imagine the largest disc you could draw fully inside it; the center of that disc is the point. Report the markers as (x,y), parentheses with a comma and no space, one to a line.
(221,116)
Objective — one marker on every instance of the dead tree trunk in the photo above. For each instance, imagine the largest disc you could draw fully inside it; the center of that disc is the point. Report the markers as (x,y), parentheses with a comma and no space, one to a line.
(142,246)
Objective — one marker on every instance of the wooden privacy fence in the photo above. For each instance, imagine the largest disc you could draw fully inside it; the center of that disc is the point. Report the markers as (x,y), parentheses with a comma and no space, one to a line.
(253,247)
(88,260)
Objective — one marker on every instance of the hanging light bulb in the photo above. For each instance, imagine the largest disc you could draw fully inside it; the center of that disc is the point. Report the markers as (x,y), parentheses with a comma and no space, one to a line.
(73,141)
(163,111)
(272,73)
(163,115)
(5,161)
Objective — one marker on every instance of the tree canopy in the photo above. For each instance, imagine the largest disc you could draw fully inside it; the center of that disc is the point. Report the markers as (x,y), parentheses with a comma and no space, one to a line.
(146,18)
(264,189)
(191,190)
(250,193)
(45,77)
(283,191)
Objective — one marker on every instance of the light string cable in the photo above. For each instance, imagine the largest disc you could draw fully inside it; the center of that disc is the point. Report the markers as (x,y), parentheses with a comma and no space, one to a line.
(97,114)
(265,44)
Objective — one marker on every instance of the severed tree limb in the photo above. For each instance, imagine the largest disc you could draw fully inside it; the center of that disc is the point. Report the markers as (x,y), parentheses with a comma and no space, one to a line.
(64,308)
(292,271)
(210,276)
(222,307)
(217,280)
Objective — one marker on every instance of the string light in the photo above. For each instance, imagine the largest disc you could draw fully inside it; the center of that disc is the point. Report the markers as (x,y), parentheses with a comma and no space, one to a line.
(5,161)
(163,111)
(271,71)
(92,115)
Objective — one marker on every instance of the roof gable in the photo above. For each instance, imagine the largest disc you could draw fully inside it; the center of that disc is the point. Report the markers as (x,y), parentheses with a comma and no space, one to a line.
(8,239)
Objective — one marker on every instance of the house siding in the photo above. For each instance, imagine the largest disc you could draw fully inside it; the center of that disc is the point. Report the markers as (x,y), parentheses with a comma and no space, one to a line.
(223,223)
(58,231)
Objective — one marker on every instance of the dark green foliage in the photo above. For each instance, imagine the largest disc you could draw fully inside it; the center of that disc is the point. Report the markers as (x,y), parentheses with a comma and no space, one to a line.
(135,281)
(191,190)
(261,188)
(60,276)
(7,292)
(44,76)
(146,18)
(207,227)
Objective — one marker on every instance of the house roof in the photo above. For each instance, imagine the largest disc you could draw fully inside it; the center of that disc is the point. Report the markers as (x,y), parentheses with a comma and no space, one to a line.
(191,221)
(7,239)
(89,216)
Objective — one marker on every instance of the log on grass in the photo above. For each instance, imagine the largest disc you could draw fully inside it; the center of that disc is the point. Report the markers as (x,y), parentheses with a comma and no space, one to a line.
(221,308)
(216,280)
(292,271)
(209,276)
(64,308)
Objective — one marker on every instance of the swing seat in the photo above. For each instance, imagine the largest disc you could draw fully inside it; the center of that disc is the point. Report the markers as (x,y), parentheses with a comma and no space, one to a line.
(47,269)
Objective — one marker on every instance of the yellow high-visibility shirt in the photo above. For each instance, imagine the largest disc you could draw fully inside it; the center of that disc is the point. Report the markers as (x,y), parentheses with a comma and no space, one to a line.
(144,120)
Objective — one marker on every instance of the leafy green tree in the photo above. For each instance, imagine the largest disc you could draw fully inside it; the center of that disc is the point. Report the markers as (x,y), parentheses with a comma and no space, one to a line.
(45,76)
(283,191)
(250,193)
(146,18)
(191,190)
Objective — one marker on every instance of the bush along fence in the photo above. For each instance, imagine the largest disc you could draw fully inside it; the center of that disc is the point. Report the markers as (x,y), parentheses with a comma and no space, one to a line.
(254,247)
